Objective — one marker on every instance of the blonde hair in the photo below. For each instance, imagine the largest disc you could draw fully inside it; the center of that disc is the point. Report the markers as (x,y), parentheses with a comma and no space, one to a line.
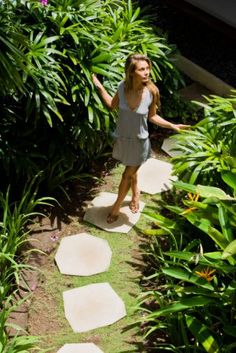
(130,66)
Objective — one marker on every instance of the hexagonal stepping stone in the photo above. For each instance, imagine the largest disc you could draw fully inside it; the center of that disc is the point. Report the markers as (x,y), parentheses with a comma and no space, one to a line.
(79,348)
(155,176)
(170,146)
(83,255)
(100,207)
(92,306)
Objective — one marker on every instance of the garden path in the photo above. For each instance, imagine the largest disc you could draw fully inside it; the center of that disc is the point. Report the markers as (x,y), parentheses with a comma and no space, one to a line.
(84,310)
(45,315)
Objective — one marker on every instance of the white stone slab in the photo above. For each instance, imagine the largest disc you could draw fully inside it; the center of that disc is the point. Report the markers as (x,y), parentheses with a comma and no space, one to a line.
(170,146)
(79,348)
(100,207)
(83,255)
(155,176)
(92,306)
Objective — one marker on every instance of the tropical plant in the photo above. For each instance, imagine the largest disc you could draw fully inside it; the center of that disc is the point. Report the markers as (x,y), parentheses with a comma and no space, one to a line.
(208,150)
(53,112)
(12,58)
(194,285)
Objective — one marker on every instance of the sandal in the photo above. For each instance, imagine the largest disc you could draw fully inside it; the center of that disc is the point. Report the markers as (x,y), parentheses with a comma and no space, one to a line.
(112,218)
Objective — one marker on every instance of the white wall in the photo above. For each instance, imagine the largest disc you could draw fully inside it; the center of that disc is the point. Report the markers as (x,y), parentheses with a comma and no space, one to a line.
(224,10)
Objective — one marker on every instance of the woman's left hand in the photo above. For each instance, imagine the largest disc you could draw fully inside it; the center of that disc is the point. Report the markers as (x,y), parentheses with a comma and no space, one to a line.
(178,127)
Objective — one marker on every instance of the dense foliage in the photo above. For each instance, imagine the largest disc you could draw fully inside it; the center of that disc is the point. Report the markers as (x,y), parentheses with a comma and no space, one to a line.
(52,117)
(208,151)
(53,123)
(192,277)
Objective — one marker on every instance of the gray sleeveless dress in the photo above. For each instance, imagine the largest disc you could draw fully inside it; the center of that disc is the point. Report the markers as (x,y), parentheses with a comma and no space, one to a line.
(131,138)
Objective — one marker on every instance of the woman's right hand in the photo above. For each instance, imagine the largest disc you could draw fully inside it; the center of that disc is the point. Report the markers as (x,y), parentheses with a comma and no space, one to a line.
(96,81)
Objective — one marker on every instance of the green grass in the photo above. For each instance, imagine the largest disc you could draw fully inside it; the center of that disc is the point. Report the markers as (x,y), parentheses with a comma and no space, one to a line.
(123,275)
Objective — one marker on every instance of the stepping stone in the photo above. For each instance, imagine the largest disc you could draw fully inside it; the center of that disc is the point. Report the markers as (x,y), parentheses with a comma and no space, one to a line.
(79,348)
(92,306)
(169,144)
(83,255)
(100,207)
(155,176)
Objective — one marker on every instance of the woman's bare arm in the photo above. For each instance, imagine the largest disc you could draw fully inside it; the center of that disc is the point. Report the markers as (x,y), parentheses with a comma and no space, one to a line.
(109,101)
(156,119)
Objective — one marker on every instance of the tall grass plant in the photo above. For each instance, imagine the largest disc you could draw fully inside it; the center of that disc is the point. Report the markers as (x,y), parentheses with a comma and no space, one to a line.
(14,233)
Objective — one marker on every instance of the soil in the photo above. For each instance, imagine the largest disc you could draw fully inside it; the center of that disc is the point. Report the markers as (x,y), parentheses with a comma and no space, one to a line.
(46,233)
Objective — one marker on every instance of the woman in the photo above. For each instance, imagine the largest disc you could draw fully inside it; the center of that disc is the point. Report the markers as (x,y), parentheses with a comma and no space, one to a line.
(137,99)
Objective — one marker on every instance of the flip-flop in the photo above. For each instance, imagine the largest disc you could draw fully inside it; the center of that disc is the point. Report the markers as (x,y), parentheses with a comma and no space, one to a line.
(112,218)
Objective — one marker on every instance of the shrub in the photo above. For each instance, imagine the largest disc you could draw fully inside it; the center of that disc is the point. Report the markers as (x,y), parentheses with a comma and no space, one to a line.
(192,290)
(208,151)
(52,112)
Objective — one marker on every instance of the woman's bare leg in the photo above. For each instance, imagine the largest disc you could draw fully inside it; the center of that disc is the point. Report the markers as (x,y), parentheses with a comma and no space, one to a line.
(125,184)
(134,204)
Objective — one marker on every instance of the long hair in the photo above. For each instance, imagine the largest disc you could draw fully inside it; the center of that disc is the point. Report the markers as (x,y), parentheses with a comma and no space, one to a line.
(130,66)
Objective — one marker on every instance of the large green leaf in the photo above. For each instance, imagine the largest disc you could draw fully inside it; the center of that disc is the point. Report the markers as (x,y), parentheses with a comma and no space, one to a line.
(217,237)
(203,190)
(190,302)
(229,178)
(190,277)
(101,58)
(206,226)
(229,250)
(160,220)
(213,260)
(202,334)
(224,222)
(185,186)
(156,232)
(211,191)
